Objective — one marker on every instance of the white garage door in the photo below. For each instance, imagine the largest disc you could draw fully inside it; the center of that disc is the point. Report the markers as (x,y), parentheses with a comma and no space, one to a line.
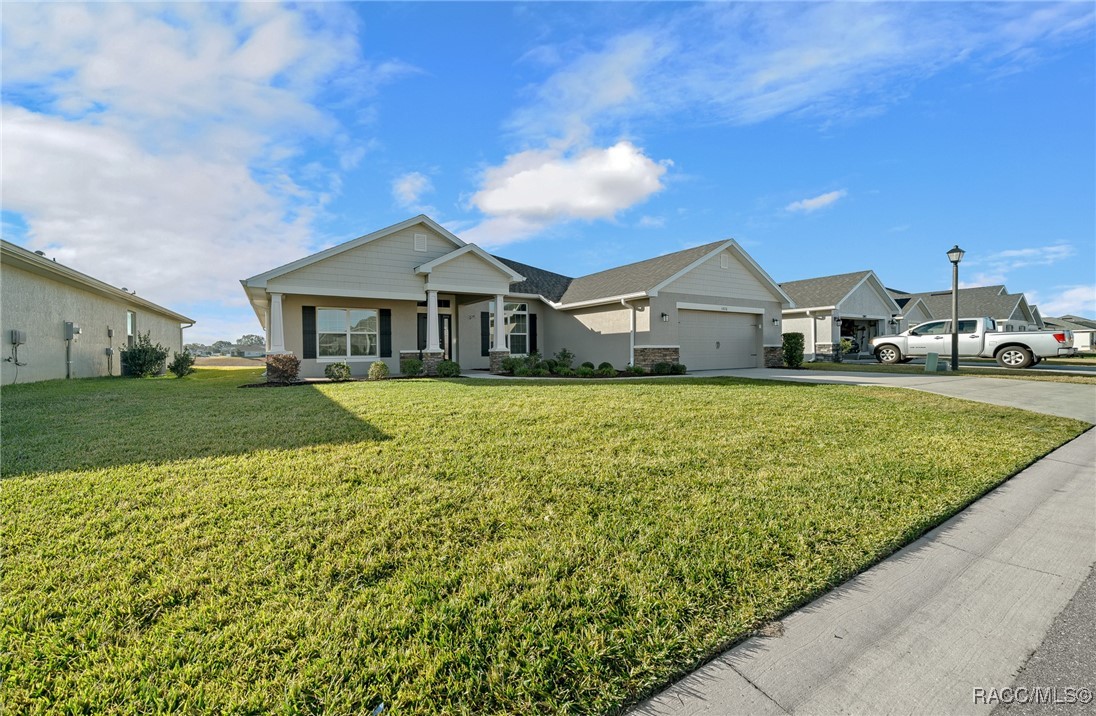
(712,340)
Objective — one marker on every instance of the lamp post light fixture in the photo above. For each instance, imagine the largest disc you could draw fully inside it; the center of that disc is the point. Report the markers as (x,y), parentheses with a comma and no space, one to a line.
(955,256)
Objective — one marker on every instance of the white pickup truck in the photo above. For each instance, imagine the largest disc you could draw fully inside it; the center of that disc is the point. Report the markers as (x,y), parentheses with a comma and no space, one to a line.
(977,337)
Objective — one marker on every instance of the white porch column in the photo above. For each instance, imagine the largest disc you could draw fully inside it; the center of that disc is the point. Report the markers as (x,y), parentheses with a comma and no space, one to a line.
(500,329)
(276,328)
(267,346)
(433,341)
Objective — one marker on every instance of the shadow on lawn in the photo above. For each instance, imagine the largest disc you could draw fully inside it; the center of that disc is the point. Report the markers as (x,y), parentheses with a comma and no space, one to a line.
(107,422)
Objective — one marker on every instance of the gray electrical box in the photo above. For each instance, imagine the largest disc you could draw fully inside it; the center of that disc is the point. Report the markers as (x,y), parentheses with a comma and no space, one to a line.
(18,338)
(110,351)
(71,331)
(110,332)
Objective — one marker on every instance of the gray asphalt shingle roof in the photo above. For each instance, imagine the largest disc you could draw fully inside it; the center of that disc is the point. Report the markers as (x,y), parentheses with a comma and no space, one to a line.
(1086,322)
(977,301)
(633,278)
(824,290)
(545,283)
(1067,324)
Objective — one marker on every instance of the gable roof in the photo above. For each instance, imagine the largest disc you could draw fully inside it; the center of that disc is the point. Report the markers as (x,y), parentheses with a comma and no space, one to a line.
(1067,324)
(19,257)
(538,281)
(906,304)
(259,280)
(826,291)
(1080,320)
(989,301)
(478,253)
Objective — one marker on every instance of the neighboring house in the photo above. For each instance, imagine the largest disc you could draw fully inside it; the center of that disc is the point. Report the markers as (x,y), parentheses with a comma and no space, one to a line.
(1039,323)
(1010,310)
(416,290)
(1084,330)
(44,301)
(911,311)
(829,308)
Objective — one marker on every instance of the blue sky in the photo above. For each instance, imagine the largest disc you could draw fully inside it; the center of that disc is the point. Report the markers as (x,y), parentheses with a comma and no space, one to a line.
(177,149)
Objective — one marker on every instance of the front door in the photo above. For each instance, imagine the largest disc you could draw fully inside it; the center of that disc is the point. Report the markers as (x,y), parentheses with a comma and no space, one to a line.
(445,333)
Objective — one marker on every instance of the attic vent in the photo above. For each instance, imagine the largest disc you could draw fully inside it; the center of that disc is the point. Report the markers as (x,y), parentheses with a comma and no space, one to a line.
(420,242)
(724,260)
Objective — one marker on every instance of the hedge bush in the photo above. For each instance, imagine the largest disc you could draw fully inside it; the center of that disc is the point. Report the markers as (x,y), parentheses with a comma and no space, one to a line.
(585,371)
(677,369)
(182,364)
(563,359)
(411,366)
(792,349)
(662,368)
(636,370)
(606,370)
(588,364)
(282,368)
(378,370)
(337,372)
(448,369)
(143,358)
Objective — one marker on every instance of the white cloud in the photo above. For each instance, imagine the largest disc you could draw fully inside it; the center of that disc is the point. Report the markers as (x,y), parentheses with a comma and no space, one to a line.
(1065,300)
(651,222)
(408,189)
(816,202)
(993,269)
(176,149)
(535,189)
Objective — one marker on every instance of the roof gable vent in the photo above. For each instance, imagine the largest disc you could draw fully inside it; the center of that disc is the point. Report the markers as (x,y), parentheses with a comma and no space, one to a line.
(420,242)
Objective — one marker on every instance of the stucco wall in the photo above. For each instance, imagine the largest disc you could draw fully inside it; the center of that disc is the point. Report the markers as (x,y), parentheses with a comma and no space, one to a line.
(597,333)
(39,306)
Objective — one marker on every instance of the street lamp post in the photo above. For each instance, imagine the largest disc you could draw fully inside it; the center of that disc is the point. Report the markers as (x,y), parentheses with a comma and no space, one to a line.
(955,256)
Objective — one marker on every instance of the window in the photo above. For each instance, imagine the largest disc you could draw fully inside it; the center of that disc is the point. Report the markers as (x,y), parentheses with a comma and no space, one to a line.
(345,333)
(968,326)
(516,320)
(935,328)
(131,328)
(420,242)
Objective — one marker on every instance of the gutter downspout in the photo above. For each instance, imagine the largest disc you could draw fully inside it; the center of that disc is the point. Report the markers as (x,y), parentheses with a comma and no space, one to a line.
(813,329)
(631,331)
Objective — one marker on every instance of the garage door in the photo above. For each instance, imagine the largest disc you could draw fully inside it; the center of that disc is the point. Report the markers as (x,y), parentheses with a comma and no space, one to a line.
(712,340)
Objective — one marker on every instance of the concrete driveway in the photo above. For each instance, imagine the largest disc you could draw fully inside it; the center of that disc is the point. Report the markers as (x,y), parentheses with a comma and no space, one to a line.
(947,622)
(1067,400)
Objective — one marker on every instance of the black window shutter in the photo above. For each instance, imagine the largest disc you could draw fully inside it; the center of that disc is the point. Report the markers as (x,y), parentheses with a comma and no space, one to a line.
(485,333)
(422,331)
(308,322)
(532,333)
(386,332)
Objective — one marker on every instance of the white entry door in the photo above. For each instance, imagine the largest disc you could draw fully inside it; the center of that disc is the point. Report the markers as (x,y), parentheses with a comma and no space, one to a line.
(712,340)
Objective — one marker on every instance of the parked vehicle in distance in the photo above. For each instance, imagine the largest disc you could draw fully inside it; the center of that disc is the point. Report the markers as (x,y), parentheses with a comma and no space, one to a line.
(978,337)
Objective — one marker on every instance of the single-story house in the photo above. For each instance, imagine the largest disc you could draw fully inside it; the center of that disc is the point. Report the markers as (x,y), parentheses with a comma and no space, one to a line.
(1084,330)
(1010,310)
(415,289)
(1035,314)
(911,311)
(60,323)
(828,308)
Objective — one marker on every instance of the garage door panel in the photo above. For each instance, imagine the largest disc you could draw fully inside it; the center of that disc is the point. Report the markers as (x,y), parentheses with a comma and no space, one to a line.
(711,340)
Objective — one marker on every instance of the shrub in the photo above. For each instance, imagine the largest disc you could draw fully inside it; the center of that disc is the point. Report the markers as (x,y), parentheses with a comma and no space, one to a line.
(337,372)
(541,372)
(522,371)
(846,346)
(550,365)
(510,364)
(378,370)
(564,358)
(585,371)
(606,370)
(792,350)
(411,366)
(143,358)
(282,368)
(448,369)
(588,364)
(662,368)
(565,372)
(677,369)
(605,365)
(182,364)
(636,369)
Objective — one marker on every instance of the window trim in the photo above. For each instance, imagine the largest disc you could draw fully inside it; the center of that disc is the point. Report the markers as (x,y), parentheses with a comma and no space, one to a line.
(131,328)
(506,315)
(348,358)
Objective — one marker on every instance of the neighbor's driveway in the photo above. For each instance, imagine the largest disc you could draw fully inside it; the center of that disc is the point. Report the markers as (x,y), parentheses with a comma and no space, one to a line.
(941,624)
(1067,400)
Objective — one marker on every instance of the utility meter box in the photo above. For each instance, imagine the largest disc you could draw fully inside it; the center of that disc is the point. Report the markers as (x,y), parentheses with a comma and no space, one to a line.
(18,338)
(71,331)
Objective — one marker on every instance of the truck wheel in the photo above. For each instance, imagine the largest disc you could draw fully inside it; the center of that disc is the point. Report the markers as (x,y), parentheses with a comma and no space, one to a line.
(888,354)
(1014,357)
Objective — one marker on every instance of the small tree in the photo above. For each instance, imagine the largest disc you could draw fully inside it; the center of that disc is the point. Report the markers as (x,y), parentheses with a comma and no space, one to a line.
(792,349)
(378,370)
(143,358)
(250,339)
(182,364)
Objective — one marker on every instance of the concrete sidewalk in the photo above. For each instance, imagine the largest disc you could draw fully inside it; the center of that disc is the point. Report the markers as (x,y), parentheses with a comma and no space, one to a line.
(960,609)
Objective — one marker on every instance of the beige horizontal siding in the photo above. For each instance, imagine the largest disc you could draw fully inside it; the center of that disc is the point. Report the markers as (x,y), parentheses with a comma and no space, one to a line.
(709,279)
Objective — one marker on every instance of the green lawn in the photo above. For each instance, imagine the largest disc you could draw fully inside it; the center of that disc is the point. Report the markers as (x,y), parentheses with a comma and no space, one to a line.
(447,546)
(1011,373)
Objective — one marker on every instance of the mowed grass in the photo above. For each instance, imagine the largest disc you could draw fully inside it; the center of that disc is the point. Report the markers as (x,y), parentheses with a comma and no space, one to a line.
(447,546)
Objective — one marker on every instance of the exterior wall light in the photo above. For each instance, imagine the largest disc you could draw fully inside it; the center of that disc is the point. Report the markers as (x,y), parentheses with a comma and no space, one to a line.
(665,318)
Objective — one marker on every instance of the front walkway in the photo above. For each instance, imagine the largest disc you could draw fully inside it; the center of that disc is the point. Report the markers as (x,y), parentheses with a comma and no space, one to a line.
(938,625)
